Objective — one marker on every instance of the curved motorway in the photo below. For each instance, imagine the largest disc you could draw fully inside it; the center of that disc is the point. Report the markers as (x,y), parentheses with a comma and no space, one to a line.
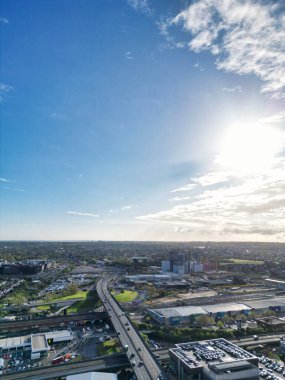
(142,361)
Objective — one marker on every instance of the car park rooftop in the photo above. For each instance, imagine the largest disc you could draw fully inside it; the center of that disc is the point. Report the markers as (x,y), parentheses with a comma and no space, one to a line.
(215,354)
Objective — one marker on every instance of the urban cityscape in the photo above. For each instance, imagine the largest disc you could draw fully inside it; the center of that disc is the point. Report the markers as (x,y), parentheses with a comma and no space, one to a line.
(142,310)
(142,190)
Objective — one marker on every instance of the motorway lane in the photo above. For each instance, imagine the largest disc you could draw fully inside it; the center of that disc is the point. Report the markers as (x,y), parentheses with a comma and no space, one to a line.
(51,372)
(150,369)
(141,372)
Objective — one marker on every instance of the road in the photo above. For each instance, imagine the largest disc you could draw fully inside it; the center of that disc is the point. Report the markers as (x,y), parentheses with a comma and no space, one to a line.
(51,372)
(141,359)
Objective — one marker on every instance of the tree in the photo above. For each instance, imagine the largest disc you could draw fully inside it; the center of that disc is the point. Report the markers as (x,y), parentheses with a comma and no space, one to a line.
(71,289)
(220,325)
(205,320)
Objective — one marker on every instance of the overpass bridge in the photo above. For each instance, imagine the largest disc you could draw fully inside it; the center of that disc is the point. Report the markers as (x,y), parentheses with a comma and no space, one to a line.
(50,321)
(144,364)
(103,363)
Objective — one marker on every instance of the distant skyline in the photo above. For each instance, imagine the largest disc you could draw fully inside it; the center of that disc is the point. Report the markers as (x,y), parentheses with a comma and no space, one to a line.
(142,120)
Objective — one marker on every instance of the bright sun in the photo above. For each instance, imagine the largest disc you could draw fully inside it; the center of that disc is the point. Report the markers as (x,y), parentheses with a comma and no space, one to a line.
(250,149)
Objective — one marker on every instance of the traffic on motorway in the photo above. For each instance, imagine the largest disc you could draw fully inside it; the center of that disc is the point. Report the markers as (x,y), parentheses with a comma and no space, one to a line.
(142,361)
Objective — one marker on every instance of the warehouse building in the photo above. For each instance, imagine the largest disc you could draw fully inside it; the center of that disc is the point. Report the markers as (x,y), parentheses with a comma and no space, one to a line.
(176,315)
(216,359)
(187,314)
(39,346)
(221,309)
(276,304)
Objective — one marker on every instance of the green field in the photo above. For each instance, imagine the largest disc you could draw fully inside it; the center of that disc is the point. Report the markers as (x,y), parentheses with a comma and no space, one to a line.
(109,347)
(243,261)
(79,294)
(126,296)
(44,307)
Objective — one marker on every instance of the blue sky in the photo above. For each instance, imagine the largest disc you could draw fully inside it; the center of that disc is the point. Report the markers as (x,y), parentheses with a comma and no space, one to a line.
(127,120)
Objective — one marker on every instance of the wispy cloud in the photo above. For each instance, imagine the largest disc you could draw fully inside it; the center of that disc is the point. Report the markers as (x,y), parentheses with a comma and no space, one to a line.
(82,214)
(178,199)
(229,204)
(4,20)
(4,90)
(246,36)
(235,89)
(187,187)
(198,66)
(123,208)
(141,6)
(4,180)
(11,188)
(127,207)
(128,55)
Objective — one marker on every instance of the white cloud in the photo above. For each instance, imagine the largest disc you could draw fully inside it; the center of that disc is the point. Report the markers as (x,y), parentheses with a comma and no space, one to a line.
(4,20)
(127,207)
(232,204)
(246,36)
(237,89)
(4,180)
(141,6)
(198,66)
(128,55)
(123,208)
(12,188)
(82,214)
(187,187)
(113,211)
(273,119)
(212,178)
(178,199)
(4,90)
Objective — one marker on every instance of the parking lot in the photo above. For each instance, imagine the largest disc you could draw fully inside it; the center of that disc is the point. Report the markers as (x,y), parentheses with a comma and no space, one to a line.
(271,369)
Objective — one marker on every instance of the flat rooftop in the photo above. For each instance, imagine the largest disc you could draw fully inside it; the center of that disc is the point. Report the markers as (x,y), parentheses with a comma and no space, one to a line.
(60,334)
(39,343)
(181,311)
(225,307)
(18,341)
(215,353)
(266,303)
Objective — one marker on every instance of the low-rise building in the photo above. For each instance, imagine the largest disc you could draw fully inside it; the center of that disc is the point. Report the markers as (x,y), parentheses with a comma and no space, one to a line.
(176,315)
(37,344)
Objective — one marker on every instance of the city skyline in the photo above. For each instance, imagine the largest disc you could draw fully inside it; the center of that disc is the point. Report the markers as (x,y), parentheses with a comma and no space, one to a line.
(143,120)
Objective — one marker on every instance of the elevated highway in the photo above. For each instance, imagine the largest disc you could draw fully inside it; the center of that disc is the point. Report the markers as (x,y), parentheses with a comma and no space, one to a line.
(50,321)
(140,357)
(112,362)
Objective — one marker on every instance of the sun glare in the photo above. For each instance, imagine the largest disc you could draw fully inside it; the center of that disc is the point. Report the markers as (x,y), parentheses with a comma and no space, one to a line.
(250,148)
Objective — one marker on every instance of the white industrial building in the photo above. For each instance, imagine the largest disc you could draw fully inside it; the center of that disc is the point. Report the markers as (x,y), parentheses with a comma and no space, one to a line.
(38,344)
